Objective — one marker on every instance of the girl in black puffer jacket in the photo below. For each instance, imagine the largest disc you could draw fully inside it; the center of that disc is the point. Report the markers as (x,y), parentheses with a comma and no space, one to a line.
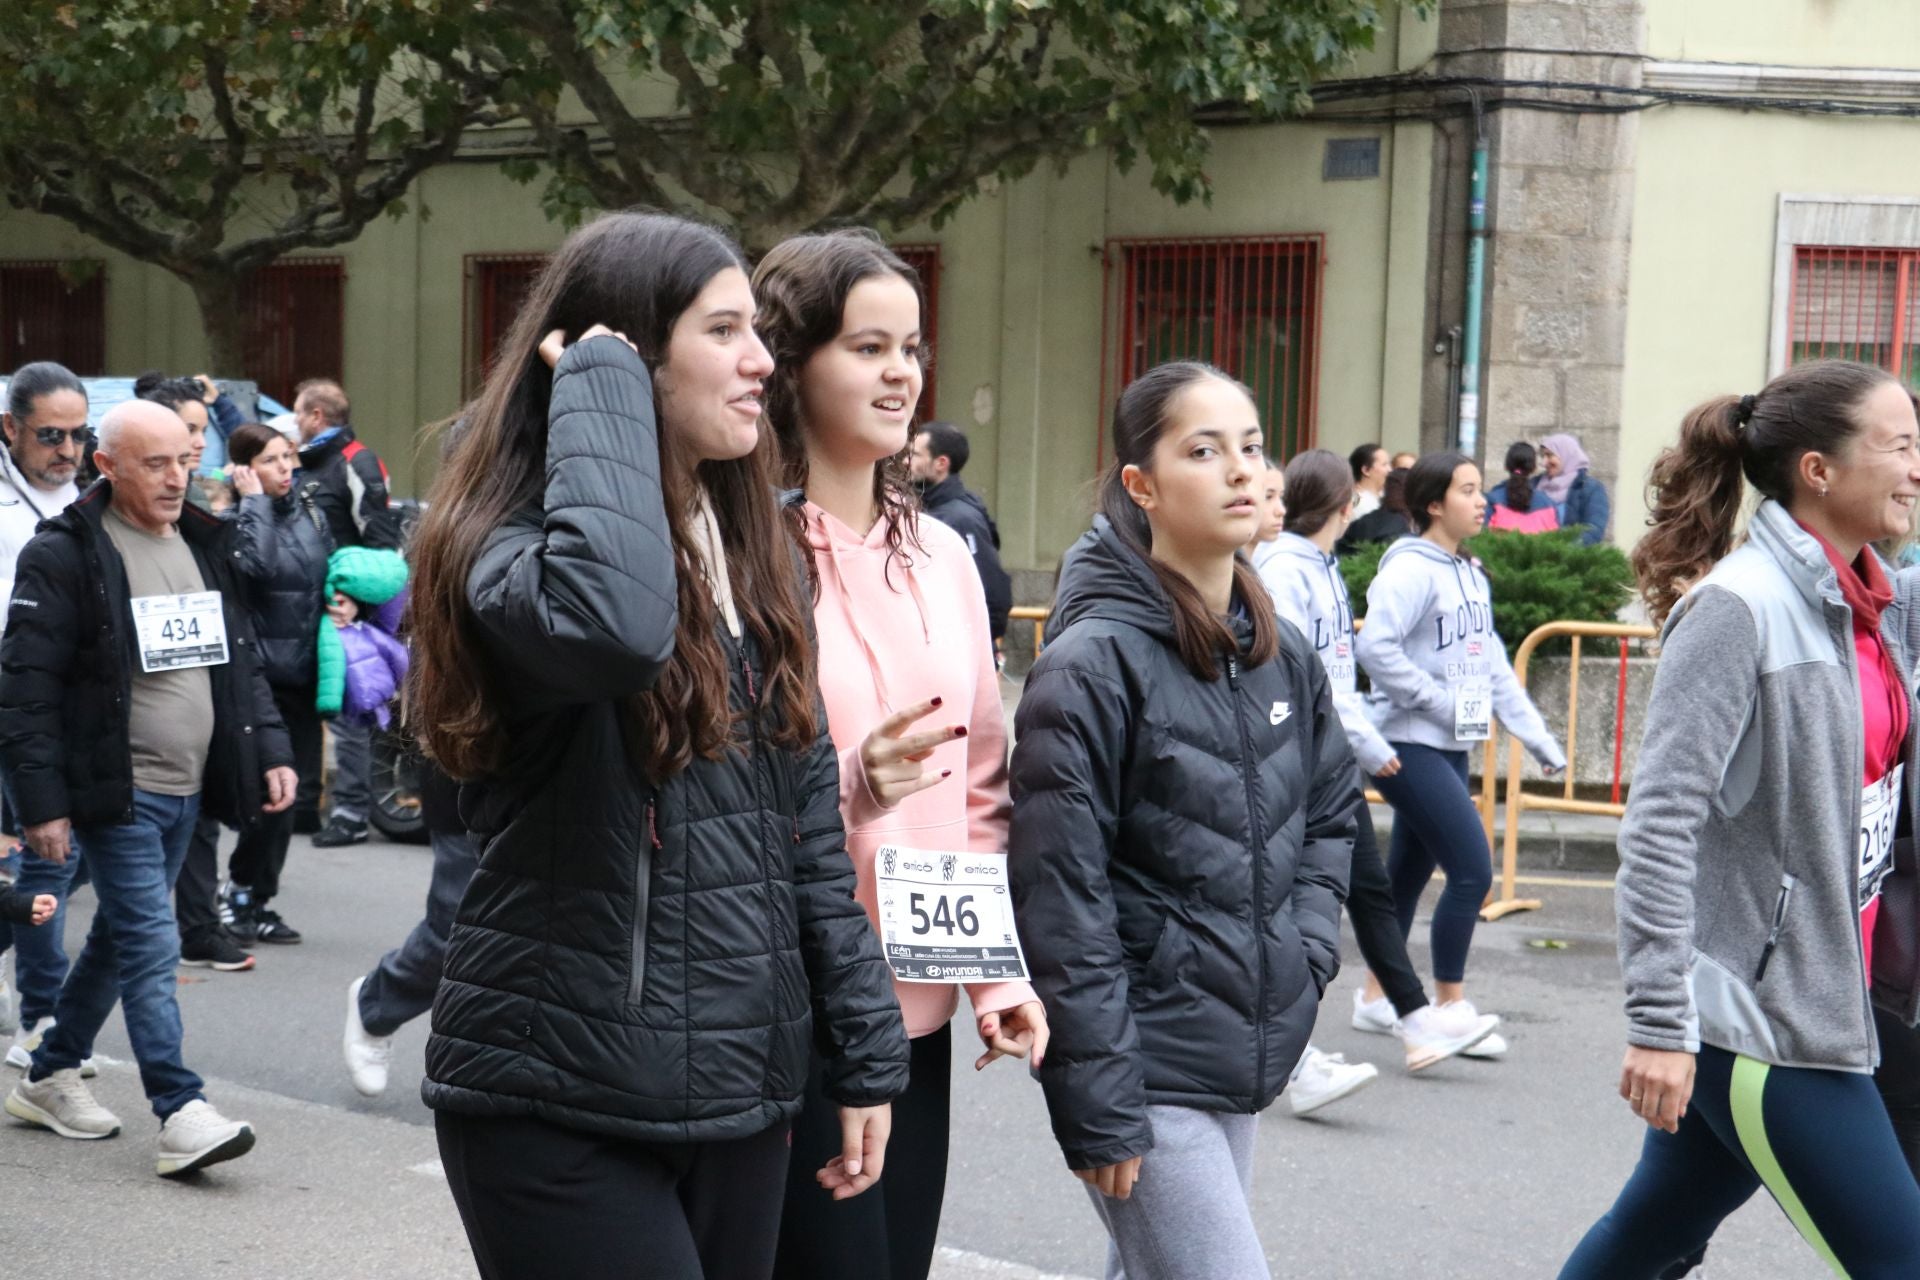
(1183,823)
(612,646)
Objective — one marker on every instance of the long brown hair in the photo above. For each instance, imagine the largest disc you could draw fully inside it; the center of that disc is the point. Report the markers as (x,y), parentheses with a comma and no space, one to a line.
(1694,490)
(636,273)
(1140,418)
(801,290)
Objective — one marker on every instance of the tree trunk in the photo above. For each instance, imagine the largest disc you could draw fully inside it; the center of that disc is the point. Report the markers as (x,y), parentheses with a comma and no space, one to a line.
(217,290)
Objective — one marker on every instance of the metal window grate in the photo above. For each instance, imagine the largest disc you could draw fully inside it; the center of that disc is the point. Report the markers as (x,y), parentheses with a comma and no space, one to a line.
(925,261)
(1349,159)
(54,311)
(295,321)
(1250,306)
(1857,304)
(494,288)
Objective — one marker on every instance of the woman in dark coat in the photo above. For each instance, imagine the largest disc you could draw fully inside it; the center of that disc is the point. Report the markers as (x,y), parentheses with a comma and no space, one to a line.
(612,647)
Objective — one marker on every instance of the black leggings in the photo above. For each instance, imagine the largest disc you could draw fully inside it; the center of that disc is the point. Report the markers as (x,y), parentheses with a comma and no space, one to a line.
(1376,923)
(888,1231)
(542,1202)
(1899,1082)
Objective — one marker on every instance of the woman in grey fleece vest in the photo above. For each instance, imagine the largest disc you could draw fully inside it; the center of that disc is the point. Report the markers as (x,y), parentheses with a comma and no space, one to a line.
(1766,906)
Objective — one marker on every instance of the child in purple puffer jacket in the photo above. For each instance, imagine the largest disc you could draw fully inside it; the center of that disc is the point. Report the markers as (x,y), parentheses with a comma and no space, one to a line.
(362,663)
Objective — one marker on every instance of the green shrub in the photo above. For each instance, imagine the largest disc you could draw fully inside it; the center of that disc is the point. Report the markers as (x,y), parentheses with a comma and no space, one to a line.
(1537,578)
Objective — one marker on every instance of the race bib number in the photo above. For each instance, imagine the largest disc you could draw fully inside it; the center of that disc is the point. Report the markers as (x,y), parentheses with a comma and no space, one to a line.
(180,631)
(1472,711)
(1879,815)
(947,917)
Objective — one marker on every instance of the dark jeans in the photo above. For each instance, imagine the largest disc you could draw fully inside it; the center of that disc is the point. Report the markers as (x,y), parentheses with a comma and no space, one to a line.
(1818,1141)
(1436,825)
(888,1231)
(262,852)
(400,987)
(1376,923)
(40,955)
(131,951)
(542,1202)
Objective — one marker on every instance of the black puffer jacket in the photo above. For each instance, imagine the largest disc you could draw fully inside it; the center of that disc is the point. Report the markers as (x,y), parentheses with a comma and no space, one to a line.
(284,544)
(1179,855)
(648,961)
(965,512)
(66,675)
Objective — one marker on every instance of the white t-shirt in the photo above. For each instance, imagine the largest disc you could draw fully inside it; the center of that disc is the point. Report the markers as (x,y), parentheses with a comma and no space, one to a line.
(1365,502)
(22,508)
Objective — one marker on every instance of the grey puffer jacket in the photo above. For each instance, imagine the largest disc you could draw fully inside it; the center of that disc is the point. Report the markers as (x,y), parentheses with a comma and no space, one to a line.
(1738,893)
(282,545)
(1180,850)
(651,959)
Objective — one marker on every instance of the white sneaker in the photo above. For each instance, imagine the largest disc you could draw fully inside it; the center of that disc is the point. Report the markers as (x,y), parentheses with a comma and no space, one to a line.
(27,1039)
(196,1136)
(63,1103)
(1434,1033)
(1494,1046)
(1375,1016)
(367,1054)
(1320,1078)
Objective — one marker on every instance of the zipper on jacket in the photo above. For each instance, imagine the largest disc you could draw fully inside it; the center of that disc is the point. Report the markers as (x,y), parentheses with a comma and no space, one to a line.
(1773,934)
(1259,851)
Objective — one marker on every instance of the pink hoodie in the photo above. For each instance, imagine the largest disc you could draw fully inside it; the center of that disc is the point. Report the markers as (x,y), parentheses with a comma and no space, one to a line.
(891,637)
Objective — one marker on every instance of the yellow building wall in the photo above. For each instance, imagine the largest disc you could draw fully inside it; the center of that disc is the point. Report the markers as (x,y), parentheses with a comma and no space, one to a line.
(1701,277)
(1813,33)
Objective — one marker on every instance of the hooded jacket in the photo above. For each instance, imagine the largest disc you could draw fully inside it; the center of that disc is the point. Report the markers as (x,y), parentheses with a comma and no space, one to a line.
(284,543)
(353,492)
(1429,628)
(965,512)
(1738,893)
(892,635)
(1180,850)
(374,579)
(1309,592)
(650,959)
(66,677)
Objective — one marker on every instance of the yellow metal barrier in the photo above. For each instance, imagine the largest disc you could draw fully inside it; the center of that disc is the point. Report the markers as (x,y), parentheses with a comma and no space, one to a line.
(1037,614)
(1501,901)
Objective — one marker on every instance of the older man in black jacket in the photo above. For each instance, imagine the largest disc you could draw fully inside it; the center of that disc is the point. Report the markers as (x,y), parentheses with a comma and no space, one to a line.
(131,695)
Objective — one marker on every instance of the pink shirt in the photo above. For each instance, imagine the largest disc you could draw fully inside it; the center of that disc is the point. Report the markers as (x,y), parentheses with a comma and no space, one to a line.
(892,636)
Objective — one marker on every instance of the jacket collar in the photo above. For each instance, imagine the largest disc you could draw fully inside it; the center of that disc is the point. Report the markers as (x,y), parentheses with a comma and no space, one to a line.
(1797,552)
(321,449)
(88,516)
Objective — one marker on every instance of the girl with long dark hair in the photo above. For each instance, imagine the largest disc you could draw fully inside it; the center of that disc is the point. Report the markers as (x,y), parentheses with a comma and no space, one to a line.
(611,644)
(1439,672)
(1768,903)
(1515,503)
(1182,827)
(912,699)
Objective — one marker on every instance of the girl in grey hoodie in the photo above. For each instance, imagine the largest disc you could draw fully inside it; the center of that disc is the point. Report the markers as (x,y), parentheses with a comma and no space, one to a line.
(1439,672)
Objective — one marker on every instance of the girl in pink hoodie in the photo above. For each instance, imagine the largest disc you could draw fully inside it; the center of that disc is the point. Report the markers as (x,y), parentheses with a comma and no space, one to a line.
(912,698)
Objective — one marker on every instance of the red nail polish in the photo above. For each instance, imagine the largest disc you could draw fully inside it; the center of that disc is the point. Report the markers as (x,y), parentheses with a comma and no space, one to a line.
(938,701)
(946,773)
(959,731)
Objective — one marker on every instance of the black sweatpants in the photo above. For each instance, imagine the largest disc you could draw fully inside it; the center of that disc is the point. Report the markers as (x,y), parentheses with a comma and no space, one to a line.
(542,1202)
(1376,923)
(888,1231)
(262,852)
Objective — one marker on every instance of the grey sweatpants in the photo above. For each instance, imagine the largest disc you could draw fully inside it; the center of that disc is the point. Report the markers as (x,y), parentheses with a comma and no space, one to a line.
(1190,1216)
(350,789)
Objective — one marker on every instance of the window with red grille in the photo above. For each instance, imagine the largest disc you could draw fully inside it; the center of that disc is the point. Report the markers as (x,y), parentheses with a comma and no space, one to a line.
(54,311)
(925,260)
(295,321)
(1857,304)
(1248,305)
(496,287)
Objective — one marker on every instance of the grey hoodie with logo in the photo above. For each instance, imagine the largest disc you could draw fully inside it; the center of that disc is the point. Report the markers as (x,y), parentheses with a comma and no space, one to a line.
(1429,629)
(1309,592)
(1738,893)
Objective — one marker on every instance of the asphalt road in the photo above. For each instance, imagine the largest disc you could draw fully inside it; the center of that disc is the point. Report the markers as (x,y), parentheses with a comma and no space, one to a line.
(1470,1170)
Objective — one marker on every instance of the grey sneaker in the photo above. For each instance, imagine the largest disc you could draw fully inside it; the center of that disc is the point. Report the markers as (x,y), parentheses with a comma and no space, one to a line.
(27,1039)
(63,1103)
(196,1136)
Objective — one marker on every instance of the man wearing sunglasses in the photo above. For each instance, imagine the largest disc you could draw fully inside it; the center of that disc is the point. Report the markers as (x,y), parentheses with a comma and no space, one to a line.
(45,424)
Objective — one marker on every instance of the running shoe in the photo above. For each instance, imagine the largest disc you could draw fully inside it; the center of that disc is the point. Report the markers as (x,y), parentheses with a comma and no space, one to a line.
(213,948)
(269,927)
(27,1039)
(368,1055)
(196,1136)
(63,1103)
(1322,1078)
(1434,1033)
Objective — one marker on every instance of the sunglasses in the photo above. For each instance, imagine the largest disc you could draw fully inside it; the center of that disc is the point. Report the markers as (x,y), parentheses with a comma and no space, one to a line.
(54,437)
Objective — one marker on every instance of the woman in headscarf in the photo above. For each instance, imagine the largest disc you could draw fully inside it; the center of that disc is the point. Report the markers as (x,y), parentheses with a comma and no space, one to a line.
(1577,496)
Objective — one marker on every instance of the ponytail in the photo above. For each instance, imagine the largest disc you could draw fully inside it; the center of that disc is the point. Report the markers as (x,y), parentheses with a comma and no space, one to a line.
(1521,460)
(1694,490)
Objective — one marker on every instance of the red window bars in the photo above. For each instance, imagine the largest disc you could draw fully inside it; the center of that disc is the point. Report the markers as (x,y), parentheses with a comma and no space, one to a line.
(54,311)
(925,260)
(495,288)
(1249,305)
(295,320)
(1857,304)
